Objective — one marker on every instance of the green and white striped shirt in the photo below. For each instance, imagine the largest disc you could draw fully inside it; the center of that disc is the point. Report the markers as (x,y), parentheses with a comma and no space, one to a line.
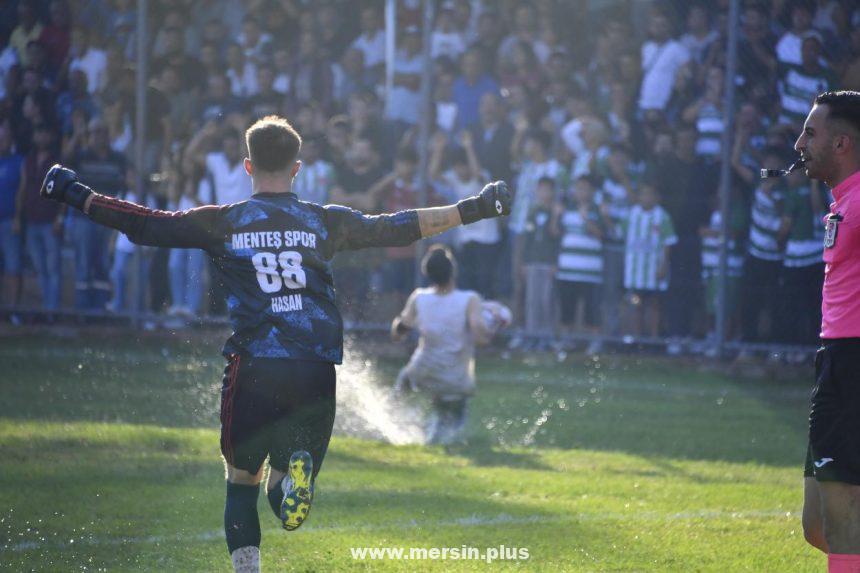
(711,252)
(648,234)
(806,239)
(764,227)
(710,126)
(580,256)
(797,91)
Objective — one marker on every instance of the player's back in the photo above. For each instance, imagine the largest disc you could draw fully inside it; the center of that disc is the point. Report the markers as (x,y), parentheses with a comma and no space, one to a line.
(275,268)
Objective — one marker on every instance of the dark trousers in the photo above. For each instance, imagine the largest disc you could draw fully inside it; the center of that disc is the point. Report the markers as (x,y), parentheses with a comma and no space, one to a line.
(684,298)
(760,295)
(800,313)
(477,264)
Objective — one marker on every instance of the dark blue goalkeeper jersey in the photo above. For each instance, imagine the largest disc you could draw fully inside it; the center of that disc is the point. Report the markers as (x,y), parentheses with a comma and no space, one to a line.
(272,254)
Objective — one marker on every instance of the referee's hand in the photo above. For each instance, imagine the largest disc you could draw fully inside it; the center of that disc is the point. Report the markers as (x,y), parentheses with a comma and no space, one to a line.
(494,200)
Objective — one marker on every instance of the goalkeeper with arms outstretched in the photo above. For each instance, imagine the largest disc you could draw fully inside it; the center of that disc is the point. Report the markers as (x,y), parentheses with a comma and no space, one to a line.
(272,254)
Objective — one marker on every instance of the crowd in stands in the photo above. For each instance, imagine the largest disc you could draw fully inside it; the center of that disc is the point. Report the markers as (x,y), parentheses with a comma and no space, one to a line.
(606,118)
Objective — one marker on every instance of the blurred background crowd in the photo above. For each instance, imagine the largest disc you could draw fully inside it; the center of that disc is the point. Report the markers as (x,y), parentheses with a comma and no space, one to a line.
(606,118)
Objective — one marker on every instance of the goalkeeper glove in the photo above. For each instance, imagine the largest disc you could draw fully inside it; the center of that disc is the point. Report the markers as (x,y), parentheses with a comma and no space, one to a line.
(61,184)
(494,200)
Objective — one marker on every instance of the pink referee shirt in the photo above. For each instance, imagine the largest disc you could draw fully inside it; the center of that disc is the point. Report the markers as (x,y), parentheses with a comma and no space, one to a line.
(840,306)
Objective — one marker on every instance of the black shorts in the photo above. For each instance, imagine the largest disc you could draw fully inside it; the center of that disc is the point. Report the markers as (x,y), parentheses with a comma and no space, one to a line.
(834,417)
(273,407)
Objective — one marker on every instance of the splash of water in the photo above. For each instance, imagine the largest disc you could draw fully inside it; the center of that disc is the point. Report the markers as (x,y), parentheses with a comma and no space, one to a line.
(367,408)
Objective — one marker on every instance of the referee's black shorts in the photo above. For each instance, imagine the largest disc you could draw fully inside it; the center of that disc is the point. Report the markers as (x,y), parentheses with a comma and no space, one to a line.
(273,407)
(834,417)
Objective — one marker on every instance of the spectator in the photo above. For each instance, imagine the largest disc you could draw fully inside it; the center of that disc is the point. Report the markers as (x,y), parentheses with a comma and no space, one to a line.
(350,77)
(699,35)
(210,62)
(10,240)
(404,101)
(525,30)
(489,35)
(187,267)
(711,235)
(789,47)
(311,77)
(595,138)
(758,44)
(283,68)
(662,56)
(371,42)
(77,96)
(40,220)
(806,203)
(175,56)
(443,100)
(241,72)
(395,192)
(492,136)
(105,170)
(707,115)
(255,42)
(763,265)
(580,258)
(469,87)
(522,68)
(650,235)
(316,177)
(446,39)
(540,261)
(266,101)
(56,36)
(477,243)
(617,194)
(28,29)
(124,252)
(84,55)
(224,167)
(218,101)
(851,75)
(687,182)
(799,84)
(362,169)
(537,163)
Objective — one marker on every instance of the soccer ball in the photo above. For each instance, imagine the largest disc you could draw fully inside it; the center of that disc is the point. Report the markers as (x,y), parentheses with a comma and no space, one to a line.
(496,315)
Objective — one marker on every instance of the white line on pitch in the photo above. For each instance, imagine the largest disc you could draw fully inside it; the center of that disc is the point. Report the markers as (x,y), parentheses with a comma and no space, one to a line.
(468,521)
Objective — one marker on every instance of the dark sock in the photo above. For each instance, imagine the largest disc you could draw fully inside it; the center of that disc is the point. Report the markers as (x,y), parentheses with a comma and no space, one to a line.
(241,522)
(276,497)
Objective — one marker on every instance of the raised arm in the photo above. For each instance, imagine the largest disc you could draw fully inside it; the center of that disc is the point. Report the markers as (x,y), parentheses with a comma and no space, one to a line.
(355,230)
(195,228)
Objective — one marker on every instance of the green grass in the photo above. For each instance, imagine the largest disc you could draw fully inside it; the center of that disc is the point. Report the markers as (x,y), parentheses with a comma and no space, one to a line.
(110,461)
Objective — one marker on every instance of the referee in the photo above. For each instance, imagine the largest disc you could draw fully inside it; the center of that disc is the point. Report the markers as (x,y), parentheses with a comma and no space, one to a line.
(271,253)
(830,148)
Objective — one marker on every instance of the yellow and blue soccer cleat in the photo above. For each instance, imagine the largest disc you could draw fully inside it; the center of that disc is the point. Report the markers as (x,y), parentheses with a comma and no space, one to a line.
(299,490)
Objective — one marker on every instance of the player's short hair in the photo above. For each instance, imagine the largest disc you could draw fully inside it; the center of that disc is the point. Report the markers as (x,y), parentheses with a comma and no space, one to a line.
(842,105)
(438,265)
(273,144)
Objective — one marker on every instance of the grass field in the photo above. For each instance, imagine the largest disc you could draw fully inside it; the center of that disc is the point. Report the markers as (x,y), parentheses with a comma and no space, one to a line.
(110,462)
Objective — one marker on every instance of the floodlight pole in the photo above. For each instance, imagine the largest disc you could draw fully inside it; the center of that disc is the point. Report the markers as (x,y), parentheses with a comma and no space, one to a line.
(732,25)
(424,127)
(390,44)
(139,148)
